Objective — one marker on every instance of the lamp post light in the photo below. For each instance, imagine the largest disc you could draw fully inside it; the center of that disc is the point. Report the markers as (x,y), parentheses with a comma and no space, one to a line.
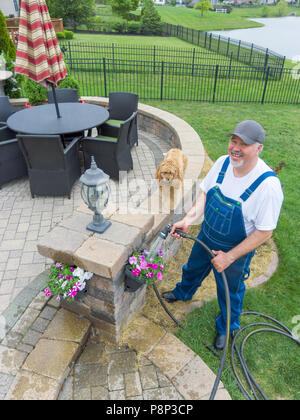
(95,193)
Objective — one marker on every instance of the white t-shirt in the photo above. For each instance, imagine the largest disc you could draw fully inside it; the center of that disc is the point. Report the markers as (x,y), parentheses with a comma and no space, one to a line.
(261,210)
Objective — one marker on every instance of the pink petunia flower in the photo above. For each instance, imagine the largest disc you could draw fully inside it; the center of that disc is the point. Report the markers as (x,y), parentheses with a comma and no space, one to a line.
(149,275)
(47,292)
(159,276)
(136,272)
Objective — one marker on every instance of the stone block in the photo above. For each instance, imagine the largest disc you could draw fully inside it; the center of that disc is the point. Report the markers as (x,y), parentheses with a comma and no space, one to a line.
(170,355)
(52,358)
(143,222)
(11,360)
(195,379)
(30,386)
(78,223)
(101,257)
(67,326)
(61,244)
(120,233)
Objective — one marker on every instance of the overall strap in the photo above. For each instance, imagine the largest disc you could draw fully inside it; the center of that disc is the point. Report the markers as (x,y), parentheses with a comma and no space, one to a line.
(223,170)
(246,194)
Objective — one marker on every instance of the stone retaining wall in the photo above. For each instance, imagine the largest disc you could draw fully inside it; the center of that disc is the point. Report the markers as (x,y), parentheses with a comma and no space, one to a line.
(106,303)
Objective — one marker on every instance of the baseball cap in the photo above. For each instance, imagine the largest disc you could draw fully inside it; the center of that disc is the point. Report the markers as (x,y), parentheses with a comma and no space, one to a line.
(249,131)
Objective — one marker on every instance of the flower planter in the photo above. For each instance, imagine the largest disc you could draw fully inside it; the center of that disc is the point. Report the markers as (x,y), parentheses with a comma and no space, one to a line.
(132,283)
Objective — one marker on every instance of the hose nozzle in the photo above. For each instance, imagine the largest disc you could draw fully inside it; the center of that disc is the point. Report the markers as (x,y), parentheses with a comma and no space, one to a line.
(165,232)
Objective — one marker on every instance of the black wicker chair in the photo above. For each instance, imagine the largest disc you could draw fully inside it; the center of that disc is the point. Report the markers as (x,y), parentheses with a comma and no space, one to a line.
(121,106)
(112,154)
(12,162)
(6,108)
(52,169)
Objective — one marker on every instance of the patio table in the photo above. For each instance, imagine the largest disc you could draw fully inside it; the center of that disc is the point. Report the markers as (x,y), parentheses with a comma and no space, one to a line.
(42,119)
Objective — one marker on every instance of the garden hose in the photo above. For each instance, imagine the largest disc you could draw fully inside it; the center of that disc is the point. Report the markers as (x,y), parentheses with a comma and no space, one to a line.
(163,234)
(276,327)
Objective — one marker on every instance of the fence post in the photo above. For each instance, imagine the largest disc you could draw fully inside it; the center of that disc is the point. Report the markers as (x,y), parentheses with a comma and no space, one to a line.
(215,84)
(266,59)
(251,54)
(238,53)
(193,62)
(228,46)
(218,49)
(162,81)
(104,74)
(265,87)
(71,63)
(154,59)
(230,63)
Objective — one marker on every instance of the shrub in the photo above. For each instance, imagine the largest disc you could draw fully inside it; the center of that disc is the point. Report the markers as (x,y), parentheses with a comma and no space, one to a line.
(69,34)
(35,93)
(6,44)
(60,35)
(120,26)
(134,27)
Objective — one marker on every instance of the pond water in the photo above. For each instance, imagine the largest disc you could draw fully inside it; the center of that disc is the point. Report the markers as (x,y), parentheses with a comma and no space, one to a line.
(281,35)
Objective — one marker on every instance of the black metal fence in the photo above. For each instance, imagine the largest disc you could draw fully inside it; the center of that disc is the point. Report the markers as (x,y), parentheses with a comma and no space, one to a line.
(245,52)
(181,81)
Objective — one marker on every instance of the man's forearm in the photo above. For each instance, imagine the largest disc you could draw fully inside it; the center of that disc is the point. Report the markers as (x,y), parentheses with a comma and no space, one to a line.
(196,211)
(223,260)
(253,241)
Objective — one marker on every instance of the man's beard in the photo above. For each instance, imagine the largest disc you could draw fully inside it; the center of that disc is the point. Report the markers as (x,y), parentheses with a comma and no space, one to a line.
(236,164)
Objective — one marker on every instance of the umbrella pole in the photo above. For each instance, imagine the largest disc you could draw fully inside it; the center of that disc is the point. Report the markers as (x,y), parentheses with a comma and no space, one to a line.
(55,102)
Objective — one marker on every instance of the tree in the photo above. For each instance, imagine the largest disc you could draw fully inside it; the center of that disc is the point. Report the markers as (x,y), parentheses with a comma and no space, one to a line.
(151,21)
(6,44)
(73,12)
(123,7)
(204,6)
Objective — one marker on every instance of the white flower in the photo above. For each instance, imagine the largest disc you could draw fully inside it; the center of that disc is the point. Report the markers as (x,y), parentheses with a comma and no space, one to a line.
(78,272)
(64,284)
(88,275)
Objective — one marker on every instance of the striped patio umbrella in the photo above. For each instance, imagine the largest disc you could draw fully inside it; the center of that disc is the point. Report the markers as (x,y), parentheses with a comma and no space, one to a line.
(38,53)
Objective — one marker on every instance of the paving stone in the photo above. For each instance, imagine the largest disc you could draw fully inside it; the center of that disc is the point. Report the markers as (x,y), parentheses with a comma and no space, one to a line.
(116,381)
(52,358)
(113,257)
(68,326)
(89,375)
(132,384)
(170,355)
(32,337)
(100,393)
(30,386)
(26,320)
(148,377)
(11,360)
(122,363)
(195,379)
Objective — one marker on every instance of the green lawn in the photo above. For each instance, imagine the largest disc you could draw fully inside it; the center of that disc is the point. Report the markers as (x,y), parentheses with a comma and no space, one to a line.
(237,19)
(273,360)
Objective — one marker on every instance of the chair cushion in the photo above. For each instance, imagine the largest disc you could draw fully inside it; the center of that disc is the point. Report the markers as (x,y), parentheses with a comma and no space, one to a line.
(117,123)
(106,138)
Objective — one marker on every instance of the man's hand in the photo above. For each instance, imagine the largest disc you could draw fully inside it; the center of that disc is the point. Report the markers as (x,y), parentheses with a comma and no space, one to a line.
(181,225)
(222,260)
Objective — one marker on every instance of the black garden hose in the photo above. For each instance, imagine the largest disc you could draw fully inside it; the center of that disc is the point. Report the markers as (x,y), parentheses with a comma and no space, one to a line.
(274,327)
(164,234)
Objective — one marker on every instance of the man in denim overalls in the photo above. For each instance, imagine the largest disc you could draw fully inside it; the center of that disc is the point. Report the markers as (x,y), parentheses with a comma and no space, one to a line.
(242,202)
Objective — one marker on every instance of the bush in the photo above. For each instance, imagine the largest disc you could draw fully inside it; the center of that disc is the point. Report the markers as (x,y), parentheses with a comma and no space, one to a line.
(35,93)
(120,26)
(134,27)
(69,34)
(60,35)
